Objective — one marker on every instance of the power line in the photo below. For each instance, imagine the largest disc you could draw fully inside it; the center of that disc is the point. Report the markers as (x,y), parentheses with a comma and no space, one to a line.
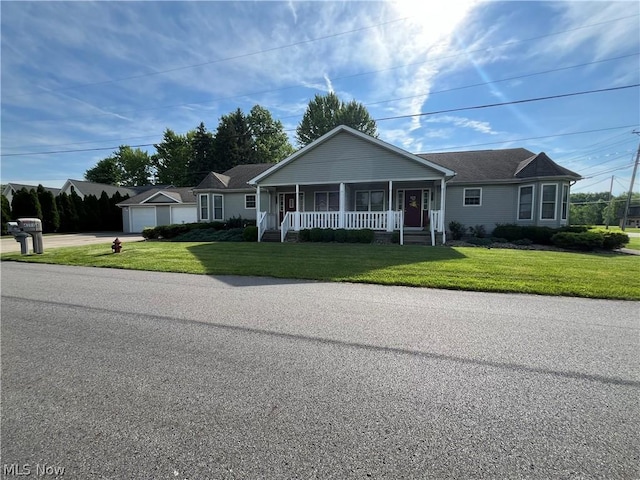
(513,102)
(377,120)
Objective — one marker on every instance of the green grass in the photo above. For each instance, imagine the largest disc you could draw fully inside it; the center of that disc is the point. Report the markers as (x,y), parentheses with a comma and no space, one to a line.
(612,276)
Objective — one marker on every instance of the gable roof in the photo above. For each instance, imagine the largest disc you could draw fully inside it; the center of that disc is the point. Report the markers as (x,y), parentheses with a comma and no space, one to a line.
(235,178)
(96,189)
(445,171)
(172,195)
(499,165)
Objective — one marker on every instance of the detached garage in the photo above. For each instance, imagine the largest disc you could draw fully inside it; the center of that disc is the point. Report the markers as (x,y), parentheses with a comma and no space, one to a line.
(158,207)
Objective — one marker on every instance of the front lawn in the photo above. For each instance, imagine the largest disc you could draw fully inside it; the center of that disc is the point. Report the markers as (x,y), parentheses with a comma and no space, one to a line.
(464,268)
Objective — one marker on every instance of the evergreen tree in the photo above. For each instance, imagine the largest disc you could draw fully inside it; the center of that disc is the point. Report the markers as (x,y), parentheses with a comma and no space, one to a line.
(324,113)
(104,209)
(25,204)
(91,214)
(233,142)
(79,220)
(202,159)
(69,220)
(6,213)
(50,215)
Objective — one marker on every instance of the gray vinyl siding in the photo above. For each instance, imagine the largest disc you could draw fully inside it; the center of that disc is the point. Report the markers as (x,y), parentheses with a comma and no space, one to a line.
(234,206)
(163,215)
(348,159)
(499,204)
(125,220)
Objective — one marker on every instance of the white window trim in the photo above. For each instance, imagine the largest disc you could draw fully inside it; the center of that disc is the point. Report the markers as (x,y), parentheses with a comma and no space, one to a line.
(246,196)
(206,196)
(464,197)
(213,208)
(426,195)
(555,202)
(564,212)
(281,200)
(384,200)
(533,202)
(326,192)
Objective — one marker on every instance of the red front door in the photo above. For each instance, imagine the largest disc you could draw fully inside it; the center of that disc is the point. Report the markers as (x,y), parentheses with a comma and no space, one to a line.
(289,204)
(413,208)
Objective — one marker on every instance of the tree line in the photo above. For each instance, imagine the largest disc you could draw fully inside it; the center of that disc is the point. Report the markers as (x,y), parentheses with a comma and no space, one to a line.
(597,209)
(184,160)
(64,213)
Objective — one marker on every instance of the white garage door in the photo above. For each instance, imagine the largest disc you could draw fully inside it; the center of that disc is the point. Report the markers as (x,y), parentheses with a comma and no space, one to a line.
(184,214)
(142,217)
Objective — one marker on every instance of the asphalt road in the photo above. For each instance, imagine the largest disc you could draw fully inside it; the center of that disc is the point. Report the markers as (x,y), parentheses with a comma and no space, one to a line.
(120,374)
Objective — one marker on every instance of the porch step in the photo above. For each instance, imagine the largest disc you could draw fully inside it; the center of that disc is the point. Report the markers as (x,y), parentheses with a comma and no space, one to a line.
(271,236)
(417,238)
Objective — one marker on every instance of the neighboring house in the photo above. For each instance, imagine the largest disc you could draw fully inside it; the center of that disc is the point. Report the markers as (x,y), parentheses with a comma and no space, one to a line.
(222,196)
(84,188)
(10,189)
(158,206)
(347,179)
(633,217)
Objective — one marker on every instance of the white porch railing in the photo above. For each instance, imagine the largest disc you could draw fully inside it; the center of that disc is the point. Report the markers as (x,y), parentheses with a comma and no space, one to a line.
(436,224)
(382,221)
(261,224)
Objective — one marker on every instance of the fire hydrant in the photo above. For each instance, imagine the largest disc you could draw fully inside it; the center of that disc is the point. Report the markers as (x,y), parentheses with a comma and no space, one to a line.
(116,246)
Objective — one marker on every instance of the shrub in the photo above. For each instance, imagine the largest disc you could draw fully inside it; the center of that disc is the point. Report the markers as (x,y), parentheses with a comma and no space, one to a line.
(395,237)
(457,230)
(315,235)
(480,241)
(328,235)
(499,240)
(211,235)
(150,233)
(512,232)
(584,241)
(366,235)
(522,242)
(353,236)
(614,240)
(340,235)
(478,231)
(304,235)
(250,234)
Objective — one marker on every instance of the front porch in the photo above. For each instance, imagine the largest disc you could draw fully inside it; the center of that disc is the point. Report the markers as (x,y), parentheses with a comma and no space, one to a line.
(388,221)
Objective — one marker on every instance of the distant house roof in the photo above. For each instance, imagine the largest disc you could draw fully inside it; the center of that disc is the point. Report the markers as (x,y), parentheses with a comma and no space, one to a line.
(18,186)
(498,165)
(84,187)
(162,196)
(235,178)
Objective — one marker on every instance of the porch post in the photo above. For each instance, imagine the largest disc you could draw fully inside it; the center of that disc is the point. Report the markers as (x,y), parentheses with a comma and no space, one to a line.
(297,219)
(343,202)
(443,191)
(390,222)
(258,210)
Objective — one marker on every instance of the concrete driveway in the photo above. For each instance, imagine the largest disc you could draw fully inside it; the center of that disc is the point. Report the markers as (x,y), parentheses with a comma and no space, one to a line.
(9,244)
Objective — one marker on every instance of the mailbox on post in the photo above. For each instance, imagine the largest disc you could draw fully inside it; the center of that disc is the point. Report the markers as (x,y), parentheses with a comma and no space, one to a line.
(25,228)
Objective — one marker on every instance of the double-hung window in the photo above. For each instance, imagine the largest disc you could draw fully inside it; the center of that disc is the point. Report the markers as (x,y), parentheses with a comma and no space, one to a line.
(217,208)
(203,203)
(565,202)
(548,202)
(249,201)
(472,197)
(525,203)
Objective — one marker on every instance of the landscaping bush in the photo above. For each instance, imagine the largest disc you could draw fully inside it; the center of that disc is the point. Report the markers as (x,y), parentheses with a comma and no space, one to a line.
(250,234)
(614,240)
(478,231)
(328,235)
(395,237)
(239,222)
(457,230)
(522,242)
(499,240)
(211,235)
(315,235)
(480,241)
(585,241)
(340,235)
(304,235)
(150,233)
(365,235)
(540,235)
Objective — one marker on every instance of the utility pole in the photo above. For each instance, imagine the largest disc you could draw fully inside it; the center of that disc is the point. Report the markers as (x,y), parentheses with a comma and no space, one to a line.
(633,179)
(608,214)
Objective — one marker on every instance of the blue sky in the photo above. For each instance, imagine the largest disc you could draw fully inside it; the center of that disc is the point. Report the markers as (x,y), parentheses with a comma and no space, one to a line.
(89,76)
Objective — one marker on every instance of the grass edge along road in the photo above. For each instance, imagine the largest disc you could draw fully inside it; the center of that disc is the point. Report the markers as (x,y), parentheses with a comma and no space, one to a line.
(591,275)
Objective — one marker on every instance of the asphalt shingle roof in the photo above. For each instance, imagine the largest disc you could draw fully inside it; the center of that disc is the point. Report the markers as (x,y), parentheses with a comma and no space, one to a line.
(497,165)
(235,178)
(181,195)
(18,186)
